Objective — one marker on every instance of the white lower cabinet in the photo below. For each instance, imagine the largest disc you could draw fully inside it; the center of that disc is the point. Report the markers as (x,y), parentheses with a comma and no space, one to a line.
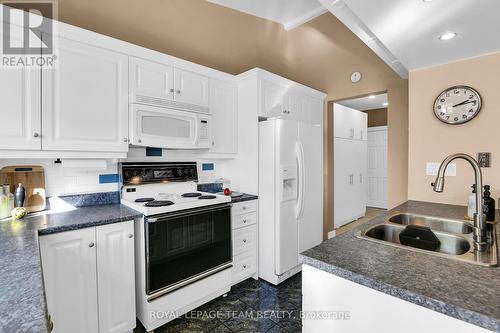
(244,222)
(89,279)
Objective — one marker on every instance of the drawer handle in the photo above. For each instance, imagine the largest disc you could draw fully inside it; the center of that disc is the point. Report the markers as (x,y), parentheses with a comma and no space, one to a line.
(244,266)
(91,244)
(244,220)
(244,208)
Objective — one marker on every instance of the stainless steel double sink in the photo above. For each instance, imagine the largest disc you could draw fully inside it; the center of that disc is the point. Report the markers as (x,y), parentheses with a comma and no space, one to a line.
(455,237)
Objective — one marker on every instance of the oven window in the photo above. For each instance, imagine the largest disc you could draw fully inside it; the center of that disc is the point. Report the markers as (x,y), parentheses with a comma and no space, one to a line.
(184,245)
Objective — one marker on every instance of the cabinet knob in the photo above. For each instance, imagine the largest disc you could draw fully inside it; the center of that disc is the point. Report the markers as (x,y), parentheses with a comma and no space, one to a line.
(244,208)
(139,140)
(244,221)
(171,90)
(178,91)
(91,244)
(213,143)
(125,139)
(244,240)
(244,266)
(36,135)
(130,236)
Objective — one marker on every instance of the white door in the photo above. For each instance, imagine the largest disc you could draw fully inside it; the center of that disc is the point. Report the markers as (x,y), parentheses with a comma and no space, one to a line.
(20,110)
(85,100)
(310,186)
(272,99)
(377,167)
(116,277)
(69,275)
(150,79)
(223,106)
(295,106)
(287,237)
(191,88)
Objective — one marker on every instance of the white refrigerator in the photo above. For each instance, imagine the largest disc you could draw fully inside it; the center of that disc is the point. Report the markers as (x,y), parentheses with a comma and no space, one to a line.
(290,195)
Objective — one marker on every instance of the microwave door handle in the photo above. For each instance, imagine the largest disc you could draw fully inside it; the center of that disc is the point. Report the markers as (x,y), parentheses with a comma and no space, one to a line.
(196,130)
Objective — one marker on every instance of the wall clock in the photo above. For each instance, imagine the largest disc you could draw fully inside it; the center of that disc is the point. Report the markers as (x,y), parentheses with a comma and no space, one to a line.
(457,105)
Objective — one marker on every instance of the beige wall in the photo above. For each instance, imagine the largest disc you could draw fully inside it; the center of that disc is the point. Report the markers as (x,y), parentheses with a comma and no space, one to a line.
(377,117)
(321,53)
(432,140)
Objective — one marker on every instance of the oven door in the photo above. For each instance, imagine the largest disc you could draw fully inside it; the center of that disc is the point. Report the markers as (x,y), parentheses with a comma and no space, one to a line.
(186,246)
(168,128)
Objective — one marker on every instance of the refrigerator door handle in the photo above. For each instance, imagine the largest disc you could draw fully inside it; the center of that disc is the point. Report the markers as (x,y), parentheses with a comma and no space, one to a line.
(300,180)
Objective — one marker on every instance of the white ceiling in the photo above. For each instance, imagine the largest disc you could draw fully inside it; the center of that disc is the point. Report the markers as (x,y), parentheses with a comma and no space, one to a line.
(290,13)
(406,32)
(366,103)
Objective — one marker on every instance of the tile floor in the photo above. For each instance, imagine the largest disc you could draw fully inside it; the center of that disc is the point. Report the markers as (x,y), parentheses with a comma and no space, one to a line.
(370,214)
(250,300)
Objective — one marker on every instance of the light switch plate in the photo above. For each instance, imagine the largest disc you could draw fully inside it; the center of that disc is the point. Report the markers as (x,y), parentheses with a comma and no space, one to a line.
(433,167)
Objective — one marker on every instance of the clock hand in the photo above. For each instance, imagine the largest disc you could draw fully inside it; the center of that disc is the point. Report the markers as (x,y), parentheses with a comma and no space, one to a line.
(463,103)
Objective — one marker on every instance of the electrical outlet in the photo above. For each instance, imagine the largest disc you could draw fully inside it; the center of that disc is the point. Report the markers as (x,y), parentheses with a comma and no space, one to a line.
(484,159)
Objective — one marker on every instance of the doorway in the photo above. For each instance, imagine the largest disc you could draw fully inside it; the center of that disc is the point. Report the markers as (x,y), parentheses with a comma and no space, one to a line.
(360,160)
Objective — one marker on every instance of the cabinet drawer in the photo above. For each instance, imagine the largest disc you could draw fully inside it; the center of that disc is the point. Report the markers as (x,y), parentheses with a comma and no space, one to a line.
(244,207)
(244,239)
(244,265)
(244,220)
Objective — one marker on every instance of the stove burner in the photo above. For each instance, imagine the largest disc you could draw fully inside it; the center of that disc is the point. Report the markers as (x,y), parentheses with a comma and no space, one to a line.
(207,197)
(144,199)
(159,203)
(191,195)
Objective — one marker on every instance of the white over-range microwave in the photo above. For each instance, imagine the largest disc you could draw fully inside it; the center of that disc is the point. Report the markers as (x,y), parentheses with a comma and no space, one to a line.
(164,127)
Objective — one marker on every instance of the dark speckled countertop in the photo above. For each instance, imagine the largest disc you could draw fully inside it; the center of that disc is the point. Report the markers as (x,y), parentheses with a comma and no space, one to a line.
(461,290)
(22,298)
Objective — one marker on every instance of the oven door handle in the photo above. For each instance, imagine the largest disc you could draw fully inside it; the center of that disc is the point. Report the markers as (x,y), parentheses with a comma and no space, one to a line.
(151,220)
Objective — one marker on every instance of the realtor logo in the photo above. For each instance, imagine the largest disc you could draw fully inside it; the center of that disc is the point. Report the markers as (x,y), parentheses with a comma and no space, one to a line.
(27,33)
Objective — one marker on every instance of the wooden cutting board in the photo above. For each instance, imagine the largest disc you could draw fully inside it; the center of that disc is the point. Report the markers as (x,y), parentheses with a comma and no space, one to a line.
(33,179)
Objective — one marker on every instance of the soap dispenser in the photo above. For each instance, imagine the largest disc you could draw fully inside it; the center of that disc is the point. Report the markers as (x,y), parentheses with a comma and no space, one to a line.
(471,203)
(489,204)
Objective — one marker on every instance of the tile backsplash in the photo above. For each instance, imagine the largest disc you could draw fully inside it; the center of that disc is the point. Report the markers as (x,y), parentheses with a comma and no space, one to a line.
(61,180)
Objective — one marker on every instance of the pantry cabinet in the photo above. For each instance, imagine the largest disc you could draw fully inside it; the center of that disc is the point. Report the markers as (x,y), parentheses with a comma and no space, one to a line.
(224,109)
(85,99)
(162,85)
(89,278)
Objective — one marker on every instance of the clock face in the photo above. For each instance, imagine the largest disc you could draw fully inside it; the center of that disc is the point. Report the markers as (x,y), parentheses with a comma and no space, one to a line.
(457,105)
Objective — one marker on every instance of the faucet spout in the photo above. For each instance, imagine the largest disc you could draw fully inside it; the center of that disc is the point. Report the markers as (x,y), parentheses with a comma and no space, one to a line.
(480,226)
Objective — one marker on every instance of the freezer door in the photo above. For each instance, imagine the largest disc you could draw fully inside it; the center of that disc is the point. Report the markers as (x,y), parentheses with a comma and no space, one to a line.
(286,251)
(310,186)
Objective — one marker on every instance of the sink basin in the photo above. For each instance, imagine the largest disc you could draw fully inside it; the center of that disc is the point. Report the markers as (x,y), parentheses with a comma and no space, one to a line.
(436,224)
(450,244)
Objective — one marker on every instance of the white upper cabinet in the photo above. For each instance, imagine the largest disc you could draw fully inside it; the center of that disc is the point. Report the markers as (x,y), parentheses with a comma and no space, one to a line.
(272,99)
(224,109)
(190,88)
(349,123)
(150,79)
(85,100)
(20,108)
(164,85)
(315,111)
(296,106)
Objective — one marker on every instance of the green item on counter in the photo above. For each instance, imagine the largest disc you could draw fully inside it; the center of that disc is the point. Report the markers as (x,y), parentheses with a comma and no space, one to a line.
(19,212)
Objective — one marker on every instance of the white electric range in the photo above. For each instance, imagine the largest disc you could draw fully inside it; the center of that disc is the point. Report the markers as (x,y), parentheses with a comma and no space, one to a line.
(183,246)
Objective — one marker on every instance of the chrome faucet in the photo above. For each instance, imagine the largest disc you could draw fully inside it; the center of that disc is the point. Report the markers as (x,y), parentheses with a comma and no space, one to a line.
(480,226)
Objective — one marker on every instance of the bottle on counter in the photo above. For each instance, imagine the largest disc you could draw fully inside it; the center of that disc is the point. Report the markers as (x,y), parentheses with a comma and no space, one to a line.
(471,203)
(489,204)
(19,196)
(10,196)
(4,204)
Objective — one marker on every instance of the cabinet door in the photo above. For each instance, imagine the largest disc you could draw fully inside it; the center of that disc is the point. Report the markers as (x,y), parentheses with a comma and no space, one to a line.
(150,79)
(191,88)
(272,99)
(20,108)
(344,188)
(69,275)
(315,111)
(295,106)
(343,121)
(85,100)
(223,106)
(359,156)
(116,277)
(360,125)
